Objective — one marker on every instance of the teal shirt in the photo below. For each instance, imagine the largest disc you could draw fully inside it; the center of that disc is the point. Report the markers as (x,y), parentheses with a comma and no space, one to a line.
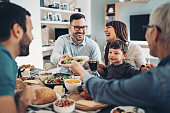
(8,71)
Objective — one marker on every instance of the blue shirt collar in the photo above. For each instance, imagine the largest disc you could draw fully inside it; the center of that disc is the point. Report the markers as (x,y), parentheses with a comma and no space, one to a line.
(83,43)
(164,61)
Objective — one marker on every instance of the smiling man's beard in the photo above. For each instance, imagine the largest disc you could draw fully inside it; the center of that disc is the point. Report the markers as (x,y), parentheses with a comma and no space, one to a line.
(76,37)
(24,45)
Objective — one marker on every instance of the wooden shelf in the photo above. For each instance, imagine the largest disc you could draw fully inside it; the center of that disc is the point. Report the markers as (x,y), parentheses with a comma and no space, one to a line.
(54,22)
(110,14)
(47,48)
(116,5)
(131,2)
(57,10)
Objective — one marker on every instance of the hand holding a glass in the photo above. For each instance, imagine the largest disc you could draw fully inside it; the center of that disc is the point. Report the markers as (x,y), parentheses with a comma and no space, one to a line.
(92,65)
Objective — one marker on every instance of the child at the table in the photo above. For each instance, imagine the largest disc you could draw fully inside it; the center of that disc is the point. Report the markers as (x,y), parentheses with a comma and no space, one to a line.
(119,68)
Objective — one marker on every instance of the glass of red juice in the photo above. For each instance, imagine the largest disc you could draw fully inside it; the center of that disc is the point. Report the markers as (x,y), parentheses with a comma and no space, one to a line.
(93,65)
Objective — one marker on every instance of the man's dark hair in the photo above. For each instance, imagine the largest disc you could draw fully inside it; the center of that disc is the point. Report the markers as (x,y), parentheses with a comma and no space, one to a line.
(119,44)
(76,16)
(11,14)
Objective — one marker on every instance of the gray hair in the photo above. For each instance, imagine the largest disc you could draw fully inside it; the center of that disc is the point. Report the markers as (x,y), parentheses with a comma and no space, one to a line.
(161,18)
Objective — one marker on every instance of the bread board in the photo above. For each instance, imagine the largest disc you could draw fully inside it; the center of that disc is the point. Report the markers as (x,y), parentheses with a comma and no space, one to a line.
(83,104)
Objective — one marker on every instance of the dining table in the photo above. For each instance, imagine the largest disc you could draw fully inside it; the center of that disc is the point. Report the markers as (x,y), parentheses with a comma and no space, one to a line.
(49,109)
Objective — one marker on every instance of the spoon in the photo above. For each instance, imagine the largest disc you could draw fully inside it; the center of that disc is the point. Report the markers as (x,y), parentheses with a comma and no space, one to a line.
(42,81)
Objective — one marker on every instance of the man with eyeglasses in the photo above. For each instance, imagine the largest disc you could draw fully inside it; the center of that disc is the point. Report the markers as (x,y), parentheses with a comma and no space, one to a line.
(149,90)
(75,43)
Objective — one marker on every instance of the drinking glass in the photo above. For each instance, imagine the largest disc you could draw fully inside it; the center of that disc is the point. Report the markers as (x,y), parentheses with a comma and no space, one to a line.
(93,67)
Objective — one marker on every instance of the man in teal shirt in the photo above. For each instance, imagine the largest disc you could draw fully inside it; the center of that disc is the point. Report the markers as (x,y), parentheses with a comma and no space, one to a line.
(8,69)
(15,38)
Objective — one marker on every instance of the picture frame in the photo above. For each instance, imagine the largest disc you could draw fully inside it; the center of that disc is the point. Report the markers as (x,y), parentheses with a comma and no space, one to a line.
(61,6)
(55,18)
(65,6)
(58,17)
(56,5)
(50,16)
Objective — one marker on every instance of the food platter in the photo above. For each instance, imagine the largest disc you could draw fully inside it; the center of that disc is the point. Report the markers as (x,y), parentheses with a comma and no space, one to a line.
(67,62)
(56,79)
(127,109)
(83,104)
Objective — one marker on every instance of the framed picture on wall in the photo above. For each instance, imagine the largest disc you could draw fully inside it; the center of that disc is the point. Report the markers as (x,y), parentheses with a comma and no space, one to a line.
(50,16)
(65,6)
(57,5)
(54,17)
(58,17)
(61,6)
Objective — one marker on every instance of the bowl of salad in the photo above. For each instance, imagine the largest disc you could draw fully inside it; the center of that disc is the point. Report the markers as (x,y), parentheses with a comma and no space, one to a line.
(56,79)
(66,62)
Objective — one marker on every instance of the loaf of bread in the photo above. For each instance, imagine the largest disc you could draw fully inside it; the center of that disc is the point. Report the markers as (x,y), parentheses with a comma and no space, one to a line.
(44,95)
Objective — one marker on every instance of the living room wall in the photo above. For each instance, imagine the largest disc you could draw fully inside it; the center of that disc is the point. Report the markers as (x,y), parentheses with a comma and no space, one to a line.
(97,16)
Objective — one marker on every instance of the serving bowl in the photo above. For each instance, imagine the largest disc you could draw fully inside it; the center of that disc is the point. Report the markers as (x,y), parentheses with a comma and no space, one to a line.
(67,62)
(64,105)
(72,84)
(56,79)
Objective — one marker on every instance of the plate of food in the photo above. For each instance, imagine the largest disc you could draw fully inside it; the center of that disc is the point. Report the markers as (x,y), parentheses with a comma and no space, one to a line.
(44,74)
(45,97)
(67,61)
(56,79)
(127,109)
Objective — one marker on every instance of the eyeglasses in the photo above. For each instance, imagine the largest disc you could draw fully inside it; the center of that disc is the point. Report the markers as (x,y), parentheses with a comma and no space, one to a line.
(150,26)
(77,28)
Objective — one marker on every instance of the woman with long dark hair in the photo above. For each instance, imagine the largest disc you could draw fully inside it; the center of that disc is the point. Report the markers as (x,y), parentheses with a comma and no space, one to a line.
(117,30)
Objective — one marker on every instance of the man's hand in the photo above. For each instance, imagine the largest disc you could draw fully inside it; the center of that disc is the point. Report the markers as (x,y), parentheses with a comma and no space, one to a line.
(25,98)
(77,68)
(147,67)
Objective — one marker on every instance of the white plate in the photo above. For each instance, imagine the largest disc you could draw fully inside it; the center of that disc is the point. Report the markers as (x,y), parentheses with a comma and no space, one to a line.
(42,111)
(68,65)
(129,109)
(43,77)
(47,105)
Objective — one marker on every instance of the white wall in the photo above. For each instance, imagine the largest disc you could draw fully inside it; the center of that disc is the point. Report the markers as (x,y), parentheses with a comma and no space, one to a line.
(85,6)
(35,57)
